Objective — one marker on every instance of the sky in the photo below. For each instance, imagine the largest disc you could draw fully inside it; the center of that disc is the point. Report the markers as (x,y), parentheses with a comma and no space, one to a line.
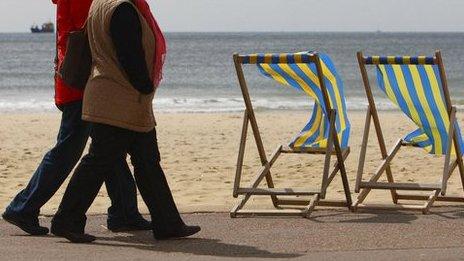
(270,15)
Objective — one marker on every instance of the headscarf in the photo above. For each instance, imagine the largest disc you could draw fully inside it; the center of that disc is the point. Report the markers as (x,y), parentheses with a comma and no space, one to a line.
(160,48)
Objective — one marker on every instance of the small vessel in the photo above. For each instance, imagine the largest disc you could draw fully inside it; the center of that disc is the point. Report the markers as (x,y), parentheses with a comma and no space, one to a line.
(46,28)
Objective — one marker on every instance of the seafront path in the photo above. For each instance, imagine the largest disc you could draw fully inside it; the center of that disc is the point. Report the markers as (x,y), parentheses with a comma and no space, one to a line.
(327,235)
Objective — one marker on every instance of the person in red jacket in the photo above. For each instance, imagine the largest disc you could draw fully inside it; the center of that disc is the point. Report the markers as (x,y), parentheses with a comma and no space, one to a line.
(57,164)
(68,21)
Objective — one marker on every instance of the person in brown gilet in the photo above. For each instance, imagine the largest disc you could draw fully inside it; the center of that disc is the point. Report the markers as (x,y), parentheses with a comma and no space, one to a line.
(128,51)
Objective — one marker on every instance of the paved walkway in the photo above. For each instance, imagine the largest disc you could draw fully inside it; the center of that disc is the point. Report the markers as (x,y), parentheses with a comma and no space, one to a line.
(328,235)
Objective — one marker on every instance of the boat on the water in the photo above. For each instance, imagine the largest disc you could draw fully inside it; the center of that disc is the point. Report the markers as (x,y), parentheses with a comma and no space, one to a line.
(45,28)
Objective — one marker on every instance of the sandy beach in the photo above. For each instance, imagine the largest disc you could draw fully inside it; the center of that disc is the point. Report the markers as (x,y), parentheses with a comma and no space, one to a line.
(199,153)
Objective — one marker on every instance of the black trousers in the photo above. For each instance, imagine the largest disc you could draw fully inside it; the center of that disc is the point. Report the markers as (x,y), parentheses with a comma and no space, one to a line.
(108,145)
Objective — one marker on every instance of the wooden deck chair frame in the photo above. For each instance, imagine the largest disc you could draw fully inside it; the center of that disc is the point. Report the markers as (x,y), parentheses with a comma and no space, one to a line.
(438,190)
(286,207)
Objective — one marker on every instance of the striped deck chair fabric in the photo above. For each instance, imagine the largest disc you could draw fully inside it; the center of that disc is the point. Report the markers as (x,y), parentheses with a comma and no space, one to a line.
(416,89)
(296,71)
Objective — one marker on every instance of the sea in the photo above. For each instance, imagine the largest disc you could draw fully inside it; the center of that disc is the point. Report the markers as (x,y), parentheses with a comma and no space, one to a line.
(199,76)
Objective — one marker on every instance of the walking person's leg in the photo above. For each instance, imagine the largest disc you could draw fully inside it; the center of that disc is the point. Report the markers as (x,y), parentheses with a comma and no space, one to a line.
(154,188)
(109,145)
(123,215)
(55,167)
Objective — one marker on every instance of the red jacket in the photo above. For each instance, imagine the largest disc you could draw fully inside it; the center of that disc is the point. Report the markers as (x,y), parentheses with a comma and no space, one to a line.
(70,16)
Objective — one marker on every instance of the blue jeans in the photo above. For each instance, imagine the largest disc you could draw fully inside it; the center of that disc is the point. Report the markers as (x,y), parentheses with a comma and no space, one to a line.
(59,162)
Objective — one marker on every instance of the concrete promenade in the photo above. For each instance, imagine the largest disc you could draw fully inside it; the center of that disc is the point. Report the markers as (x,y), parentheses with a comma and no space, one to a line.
(328,235)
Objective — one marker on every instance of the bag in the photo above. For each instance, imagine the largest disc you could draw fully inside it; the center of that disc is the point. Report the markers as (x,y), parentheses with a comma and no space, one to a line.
(77,63)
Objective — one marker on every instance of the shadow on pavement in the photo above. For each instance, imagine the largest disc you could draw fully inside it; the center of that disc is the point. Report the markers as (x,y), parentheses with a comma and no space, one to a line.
(387,216)
(392,217)
(197,246)
(455,213)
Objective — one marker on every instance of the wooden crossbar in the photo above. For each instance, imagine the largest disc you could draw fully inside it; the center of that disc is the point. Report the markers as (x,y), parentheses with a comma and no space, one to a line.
(440,198)
(270,212)
(289,150)
(270,58)
(375,60)
(322,203)
(400,186)
(279,191)
(391,207)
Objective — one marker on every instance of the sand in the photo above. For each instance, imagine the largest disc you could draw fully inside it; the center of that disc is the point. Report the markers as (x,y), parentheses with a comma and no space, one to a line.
(199,153)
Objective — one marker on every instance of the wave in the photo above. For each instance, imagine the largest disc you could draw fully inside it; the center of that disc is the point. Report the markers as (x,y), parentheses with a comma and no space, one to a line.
(31,105)
(209,105)
(200,105)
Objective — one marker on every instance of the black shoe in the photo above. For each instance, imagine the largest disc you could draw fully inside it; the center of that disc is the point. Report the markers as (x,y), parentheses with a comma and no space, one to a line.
(183,231)
(138,224)
(79,238)
(29,226)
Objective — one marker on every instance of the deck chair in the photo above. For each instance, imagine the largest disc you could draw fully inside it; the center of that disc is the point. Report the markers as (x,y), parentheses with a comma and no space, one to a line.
(418,87)
(327,132)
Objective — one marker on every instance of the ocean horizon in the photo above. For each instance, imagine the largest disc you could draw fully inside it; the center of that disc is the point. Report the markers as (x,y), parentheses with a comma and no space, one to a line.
(199,75)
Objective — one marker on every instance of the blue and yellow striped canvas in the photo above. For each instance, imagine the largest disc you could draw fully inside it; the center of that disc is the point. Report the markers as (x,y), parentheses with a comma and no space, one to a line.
(300,73)
(417,91)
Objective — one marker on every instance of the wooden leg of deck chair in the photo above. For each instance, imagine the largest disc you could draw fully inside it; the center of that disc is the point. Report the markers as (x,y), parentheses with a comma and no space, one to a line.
(362,196)
(328,153)
(264,171)
(334,136)
(461,172)
(444,85)
(390,179)
(338,150)
(383,151)
(458,150)
(446,168)
(460,166)
(343,175)
(241,155)
(262,154)
(312,204)
(449,169)
(346,152)
(430,201)
(346,188)
(341,164)
(375,118)
(449,173)
(253,122)
(362,156)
